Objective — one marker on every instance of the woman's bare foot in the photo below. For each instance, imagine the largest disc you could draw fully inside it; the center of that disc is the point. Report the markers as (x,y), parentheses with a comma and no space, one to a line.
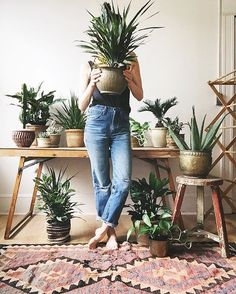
(99,235)
(111,242)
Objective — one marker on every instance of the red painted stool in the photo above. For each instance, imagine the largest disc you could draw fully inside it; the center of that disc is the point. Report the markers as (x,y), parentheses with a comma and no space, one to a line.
(198,231)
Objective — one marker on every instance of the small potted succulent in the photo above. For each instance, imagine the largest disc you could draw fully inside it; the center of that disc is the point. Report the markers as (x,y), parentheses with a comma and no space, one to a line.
(72,120)
(196,158)
(54,132)
(36,109)
(146,199)
(138,131)
(54,199)
(159,110)
(43,140)
(176,126)
(113,38)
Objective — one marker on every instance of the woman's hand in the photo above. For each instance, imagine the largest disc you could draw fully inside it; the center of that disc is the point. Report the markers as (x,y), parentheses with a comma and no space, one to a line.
(128,74)
(133,78)
(95,76)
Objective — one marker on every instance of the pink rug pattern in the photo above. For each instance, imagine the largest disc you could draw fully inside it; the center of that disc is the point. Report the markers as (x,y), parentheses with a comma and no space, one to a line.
(74,269)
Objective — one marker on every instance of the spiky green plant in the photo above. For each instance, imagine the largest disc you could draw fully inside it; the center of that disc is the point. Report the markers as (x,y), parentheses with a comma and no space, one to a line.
(199,139)
(112,37)
(70,117)
(159,108)
(55,196)
(35,105)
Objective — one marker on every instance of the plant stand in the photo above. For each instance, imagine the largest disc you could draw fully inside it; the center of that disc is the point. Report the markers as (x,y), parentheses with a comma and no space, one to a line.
(227,150)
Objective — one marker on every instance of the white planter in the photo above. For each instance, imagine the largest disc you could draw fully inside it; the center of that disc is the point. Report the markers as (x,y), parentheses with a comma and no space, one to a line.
(44,142)
(158,136)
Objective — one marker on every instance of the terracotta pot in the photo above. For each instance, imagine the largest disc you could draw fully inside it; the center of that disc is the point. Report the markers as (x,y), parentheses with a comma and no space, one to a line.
(44,142)
(75,138)
(58,232)
(195,163)
(37,129)
(112,80)
(55,140)
(23,138)
(159,248)
(158,136)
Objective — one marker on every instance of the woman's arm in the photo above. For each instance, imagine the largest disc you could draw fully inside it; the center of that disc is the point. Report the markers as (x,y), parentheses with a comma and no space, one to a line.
(88,80)
(134,80)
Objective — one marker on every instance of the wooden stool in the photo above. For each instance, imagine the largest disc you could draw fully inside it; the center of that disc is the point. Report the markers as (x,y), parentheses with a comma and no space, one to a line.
(214,183)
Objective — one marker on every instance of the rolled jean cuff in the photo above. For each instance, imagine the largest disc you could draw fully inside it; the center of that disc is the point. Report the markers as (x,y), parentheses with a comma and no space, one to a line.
(109,224)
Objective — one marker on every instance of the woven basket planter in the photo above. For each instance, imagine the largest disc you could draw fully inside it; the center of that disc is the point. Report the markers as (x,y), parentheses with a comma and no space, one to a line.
(58,232)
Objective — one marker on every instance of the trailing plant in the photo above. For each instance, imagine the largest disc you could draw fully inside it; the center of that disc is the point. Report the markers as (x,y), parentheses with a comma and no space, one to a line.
(138,130)
(112,38)
(34,104)
(55,196)
(147,199)
(159,109)
(199,139)
(70,117)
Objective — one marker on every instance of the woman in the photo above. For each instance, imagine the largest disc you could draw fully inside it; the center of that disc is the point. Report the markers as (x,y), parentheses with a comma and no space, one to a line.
(107,135)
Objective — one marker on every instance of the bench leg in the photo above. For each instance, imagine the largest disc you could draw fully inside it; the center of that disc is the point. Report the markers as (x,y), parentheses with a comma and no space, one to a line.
(220,221)
(178,203)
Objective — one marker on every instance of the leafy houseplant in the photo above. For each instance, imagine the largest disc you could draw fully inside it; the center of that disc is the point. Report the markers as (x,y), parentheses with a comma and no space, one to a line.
(138,131)
(54,132)
(55,200)
(35,106)
(195,158)
(159,110)
(147,200)
(176,125)
(112,41)
(73,121)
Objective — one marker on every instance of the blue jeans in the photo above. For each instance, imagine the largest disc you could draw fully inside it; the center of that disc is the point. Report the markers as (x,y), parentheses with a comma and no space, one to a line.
(107,135)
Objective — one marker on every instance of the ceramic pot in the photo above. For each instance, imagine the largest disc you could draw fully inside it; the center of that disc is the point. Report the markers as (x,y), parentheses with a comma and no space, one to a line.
(37,129)
(75,138)
(55,140)
(23,138)
(195,163)
(158,136)
(112,80)
(44,142)
(58,232)
(159,248)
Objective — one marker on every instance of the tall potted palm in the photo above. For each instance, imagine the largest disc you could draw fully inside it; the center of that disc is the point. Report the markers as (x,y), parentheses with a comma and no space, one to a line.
(112,41)
(159,109)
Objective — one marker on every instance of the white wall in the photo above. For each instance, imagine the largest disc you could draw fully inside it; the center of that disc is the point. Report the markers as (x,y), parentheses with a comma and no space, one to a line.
(37,45)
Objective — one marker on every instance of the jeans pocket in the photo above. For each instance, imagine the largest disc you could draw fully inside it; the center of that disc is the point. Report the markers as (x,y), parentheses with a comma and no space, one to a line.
(96,112)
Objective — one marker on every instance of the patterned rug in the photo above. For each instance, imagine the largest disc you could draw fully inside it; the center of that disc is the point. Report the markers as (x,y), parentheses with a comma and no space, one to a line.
(75,269)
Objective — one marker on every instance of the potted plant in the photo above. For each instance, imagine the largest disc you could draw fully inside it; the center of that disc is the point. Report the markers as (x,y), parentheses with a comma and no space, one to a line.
(73,121)
(138,132)
(23,137)
(196,158)
(37,105)
(112,41)
(159,110)
(44,140)
(163,232)
(54,132)
(55,200)
(176,126)
(146,199)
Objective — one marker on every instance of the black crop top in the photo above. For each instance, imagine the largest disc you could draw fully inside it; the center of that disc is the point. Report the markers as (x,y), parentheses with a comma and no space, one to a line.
(119,100)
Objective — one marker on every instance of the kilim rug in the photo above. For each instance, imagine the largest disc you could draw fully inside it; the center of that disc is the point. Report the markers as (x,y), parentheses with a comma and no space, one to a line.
(75,269)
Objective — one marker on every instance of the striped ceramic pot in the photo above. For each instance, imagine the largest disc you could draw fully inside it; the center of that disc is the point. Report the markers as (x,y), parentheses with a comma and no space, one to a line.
(58,232)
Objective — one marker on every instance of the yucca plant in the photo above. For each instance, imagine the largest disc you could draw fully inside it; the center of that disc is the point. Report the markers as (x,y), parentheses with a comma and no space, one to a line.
(55,196)
(112,37)
(199,139)
(70,117)
(159,108)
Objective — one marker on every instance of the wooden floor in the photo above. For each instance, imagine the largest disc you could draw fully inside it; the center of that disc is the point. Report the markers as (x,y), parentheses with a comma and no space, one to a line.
(82,230)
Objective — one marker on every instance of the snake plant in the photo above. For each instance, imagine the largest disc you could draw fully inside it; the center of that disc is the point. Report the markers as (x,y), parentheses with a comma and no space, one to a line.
(112,38)
(199,139)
